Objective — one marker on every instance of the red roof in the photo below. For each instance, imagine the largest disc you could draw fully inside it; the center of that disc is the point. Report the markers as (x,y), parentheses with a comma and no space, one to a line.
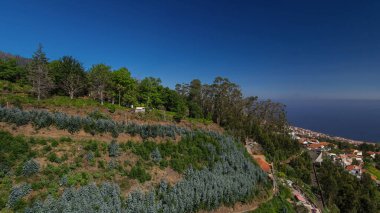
(300,197)
(316,145)
(263,164)
(350,167)
(371,153)
(324,143)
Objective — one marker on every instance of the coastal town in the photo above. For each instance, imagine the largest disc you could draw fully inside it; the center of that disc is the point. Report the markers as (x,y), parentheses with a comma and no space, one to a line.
(319,147)
(353,160)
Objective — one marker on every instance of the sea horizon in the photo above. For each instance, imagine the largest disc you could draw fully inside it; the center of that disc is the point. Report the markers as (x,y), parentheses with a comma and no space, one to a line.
(356,119)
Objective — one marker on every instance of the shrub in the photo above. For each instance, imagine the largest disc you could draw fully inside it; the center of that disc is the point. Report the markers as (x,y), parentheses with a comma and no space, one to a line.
(90,156)
(52,157)
(113,149)
(111,108)
(90,198)
(97,115)
(156,155)
(113,164)
(54,143)
(232,178)
(101,164)
(30,167)
(139,173)
(17,193)
(95,123)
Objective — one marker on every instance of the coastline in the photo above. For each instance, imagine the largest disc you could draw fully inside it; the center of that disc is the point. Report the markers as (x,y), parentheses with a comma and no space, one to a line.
(311,133)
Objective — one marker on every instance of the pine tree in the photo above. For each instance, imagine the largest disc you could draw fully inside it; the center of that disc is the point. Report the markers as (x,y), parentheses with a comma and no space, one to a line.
(39,74)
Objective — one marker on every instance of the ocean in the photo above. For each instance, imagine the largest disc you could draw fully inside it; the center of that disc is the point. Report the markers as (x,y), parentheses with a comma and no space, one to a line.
(353,119)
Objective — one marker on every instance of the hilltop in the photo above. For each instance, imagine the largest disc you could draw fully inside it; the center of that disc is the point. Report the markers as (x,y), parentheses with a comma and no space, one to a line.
(89,149)
(73,140)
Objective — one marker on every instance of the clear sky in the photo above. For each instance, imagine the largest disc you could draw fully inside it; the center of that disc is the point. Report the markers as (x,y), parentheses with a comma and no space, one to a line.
(274,49)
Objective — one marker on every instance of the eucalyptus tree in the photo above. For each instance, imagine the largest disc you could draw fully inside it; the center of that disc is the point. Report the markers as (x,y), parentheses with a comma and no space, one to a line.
(125,85)
(194,99)
(100,79)
(150,92)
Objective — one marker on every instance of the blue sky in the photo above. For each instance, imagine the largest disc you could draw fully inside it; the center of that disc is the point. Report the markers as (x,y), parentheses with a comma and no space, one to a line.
(274,49)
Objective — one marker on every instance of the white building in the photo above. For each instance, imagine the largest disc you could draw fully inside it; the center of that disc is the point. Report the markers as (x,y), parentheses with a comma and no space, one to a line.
(140,110)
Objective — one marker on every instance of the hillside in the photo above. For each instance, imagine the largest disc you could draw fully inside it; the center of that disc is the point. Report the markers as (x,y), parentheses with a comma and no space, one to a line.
(72,140)
(95,154)
(40,168)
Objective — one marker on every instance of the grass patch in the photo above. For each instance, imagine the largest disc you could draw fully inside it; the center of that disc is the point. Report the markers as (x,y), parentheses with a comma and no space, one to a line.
(277,204)
(371,169)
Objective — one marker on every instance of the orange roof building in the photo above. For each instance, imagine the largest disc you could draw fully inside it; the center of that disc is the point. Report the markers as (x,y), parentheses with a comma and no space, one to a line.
(316,146)
(350,167)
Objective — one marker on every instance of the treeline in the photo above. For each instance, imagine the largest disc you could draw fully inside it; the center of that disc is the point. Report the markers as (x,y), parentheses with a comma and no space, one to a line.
(222,101)
(67,76)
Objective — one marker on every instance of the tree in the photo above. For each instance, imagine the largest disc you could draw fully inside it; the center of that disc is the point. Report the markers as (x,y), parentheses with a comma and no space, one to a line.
(125,85)
(194,99)
(69,75)
(181,111)
(150,91)
(100,76)
(11,71)
(39,74)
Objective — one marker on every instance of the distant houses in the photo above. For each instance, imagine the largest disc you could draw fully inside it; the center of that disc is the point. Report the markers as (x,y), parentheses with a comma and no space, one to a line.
(355,170)
(373,154)
(351,160)
(315,145)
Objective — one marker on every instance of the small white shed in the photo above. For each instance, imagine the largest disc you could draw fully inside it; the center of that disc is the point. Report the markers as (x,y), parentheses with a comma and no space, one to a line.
(140,110)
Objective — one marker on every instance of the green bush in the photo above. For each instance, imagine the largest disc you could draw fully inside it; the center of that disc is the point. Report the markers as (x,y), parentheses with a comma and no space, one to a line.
(54,143)
(81,179)
(13,150)
(52,157)
(111,108)
(97,115)
(139,173)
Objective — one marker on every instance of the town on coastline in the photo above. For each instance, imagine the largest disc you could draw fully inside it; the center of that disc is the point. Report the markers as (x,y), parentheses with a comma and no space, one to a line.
(354,156)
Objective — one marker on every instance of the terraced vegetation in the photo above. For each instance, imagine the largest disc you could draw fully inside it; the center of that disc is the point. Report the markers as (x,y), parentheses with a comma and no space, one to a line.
(41,174)
(71,142)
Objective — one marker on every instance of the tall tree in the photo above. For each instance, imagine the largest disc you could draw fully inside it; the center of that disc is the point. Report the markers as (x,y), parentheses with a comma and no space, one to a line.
(150,92)
(194,99)
(70,75)
(226,97)
(39,74)
(100,77)
(124,85)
